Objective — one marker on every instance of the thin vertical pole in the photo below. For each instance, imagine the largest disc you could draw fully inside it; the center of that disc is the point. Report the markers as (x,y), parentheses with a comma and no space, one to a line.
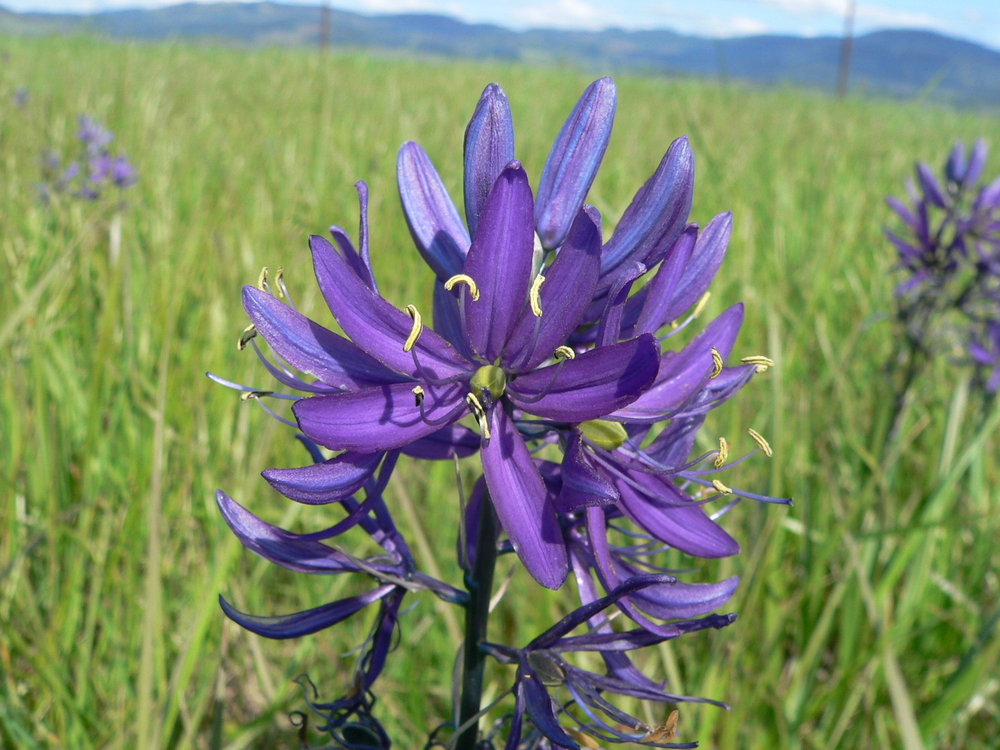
(325,24)
(846,47)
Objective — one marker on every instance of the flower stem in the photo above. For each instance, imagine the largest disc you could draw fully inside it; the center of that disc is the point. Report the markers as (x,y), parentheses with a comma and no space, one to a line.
(479,582)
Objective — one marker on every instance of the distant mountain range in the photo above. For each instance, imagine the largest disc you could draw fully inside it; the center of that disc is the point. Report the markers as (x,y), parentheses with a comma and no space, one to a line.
(893,63)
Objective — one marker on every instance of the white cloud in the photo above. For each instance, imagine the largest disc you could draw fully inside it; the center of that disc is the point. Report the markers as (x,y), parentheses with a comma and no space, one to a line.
(574,14)
(406,6)
(807,7)
(737,26)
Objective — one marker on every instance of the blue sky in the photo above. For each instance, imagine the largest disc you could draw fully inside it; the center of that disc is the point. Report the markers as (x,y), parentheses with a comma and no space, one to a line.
(978,20)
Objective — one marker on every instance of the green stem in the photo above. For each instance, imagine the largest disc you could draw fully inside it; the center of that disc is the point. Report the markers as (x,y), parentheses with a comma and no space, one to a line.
(479,582)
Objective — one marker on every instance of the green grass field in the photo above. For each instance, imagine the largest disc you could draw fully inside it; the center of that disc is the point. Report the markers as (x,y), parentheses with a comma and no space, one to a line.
(868,611)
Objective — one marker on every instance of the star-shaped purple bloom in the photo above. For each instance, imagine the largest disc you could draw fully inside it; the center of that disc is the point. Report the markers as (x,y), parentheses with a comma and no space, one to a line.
(503,357)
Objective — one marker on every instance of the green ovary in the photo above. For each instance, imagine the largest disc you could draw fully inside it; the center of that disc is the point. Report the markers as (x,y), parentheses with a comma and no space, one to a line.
(488,379)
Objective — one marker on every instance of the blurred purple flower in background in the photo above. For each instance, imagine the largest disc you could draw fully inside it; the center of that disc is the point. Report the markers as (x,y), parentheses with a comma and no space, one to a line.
(949,252)
(21,97)
(95,169)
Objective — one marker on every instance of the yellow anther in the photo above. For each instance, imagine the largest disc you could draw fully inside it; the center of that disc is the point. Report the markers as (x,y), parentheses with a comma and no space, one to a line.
(721,488)
(254,395)
(278,279)
(723,453)
(583,740)
(462,278)
(564,352)
(418,394)
(248,333)
(479,413)
(262,280)
(605,434)
(716,364)
(759,439)
(760,360)
(700,307)
(535,295)
(416,330)
(666,732)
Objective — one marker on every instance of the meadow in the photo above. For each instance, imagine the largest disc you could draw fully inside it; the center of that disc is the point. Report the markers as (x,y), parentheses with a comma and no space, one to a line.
(868,611)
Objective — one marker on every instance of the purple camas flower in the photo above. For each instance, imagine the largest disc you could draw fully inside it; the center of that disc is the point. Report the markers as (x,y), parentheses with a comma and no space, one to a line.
(548,688)
(985,353)
(950,253)
(97,168)
(93,135)
(538,341)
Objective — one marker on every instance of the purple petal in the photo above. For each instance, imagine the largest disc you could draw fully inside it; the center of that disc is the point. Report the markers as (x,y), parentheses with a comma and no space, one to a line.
(609,330)
(374,324)
(685,600)
(662,288)
(573,162)
(929,184)
(977,161)
(307,622)
(954,167)
(327,482)
(681,374)
(519,497)
(448,319)
(657,214)
(500,262)
(377,419)
(582,484)
(564,296)
(902,210)
(361,261)
(673,446)
(448,442)
(580,615)
(311,348)
(489,147)
(678,522)
(516,722)
(539,707)
(278,545)
(591,386)
(706,258)
(434,223)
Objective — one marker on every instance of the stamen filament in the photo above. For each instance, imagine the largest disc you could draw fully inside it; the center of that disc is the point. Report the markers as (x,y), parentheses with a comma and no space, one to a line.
(446,419)
(461,278)
(700,307)
(545,391)
(426,376)
(415,330)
